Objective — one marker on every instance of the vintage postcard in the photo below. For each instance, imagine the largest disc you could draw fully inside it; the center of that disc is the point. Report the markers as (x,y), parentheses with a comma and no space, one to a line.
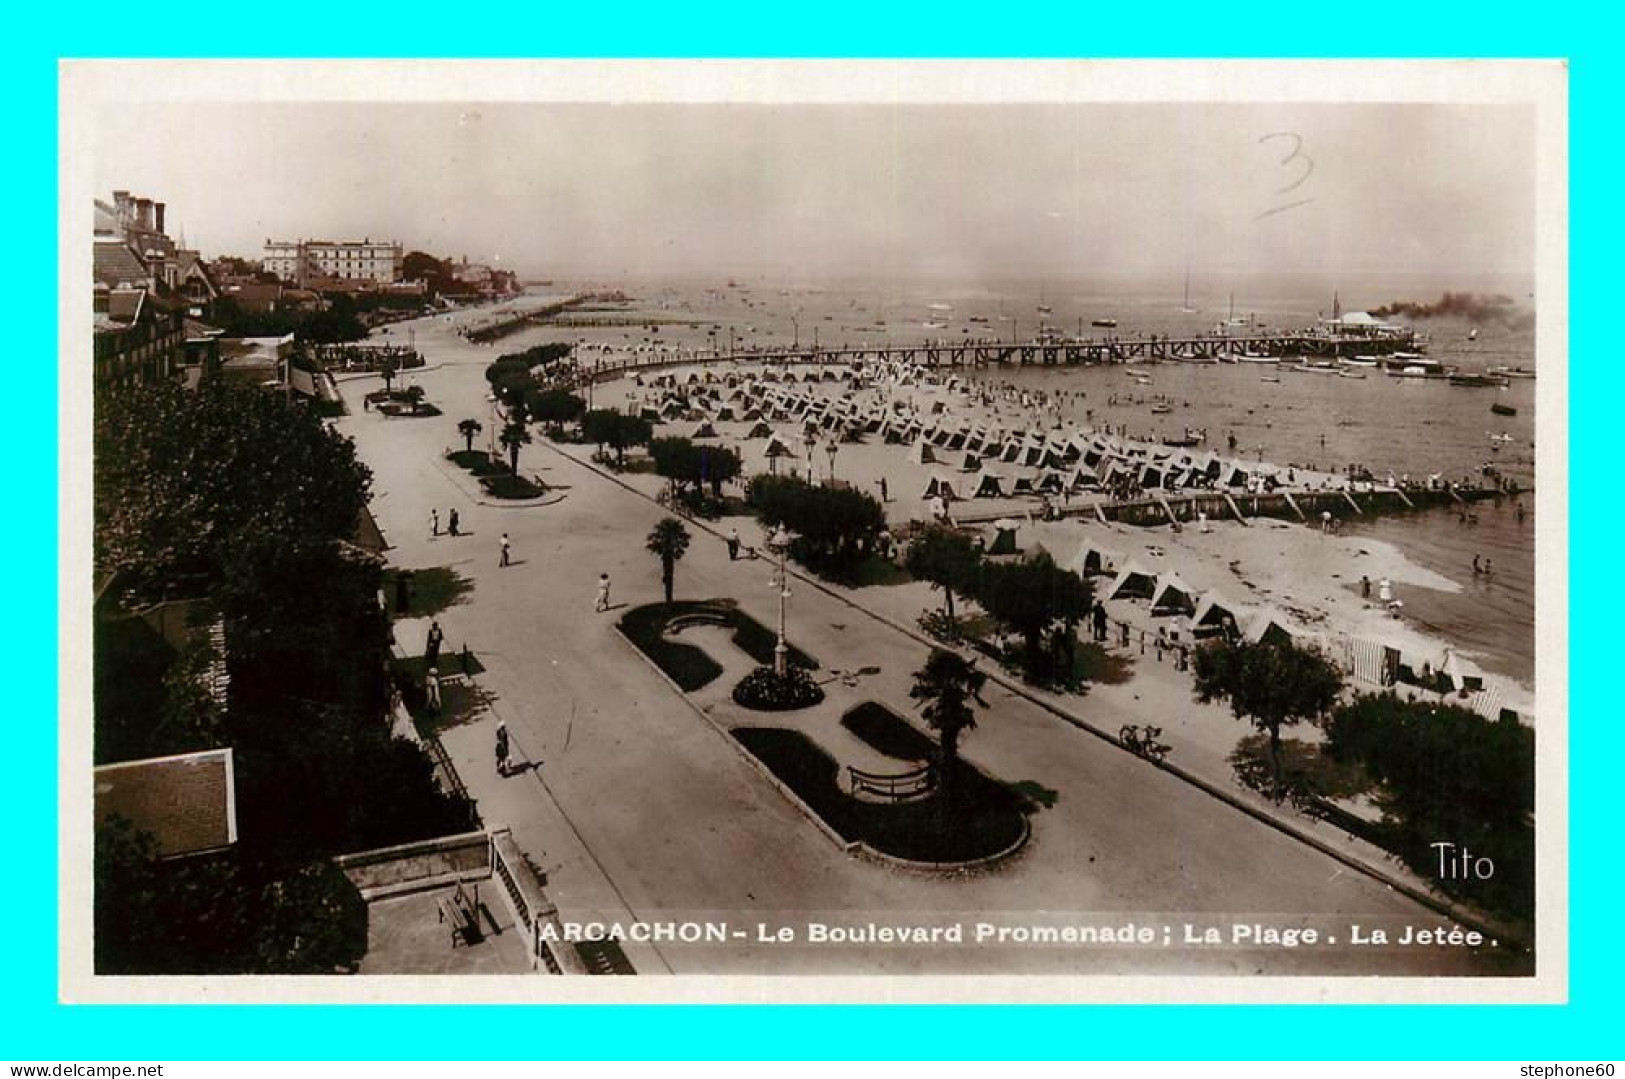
(826,531)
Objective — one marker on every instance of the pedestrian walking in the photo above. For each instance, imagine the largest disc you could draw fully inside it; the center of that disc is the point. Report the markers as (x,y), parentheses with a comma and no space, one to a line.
(431,689)
(502,748)
(884,496)
(451,523)
(505,551)
(733,544)
(434,522)
(431,647)
(603,593)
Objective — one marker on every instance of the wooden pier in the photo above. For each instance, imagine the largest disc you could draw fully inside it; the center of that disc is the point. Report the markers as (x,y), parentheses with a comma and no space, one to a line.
(1152,349)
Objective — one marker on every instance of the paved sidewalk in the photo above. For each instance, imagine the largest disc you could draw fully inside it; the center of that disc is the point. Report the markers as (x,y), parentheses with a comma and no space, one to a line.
(640,807)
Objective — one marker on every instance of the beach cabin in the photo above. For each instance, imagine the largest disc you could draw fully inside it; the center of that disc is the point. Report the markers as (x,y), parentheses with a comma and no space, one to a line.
(1004,537)
(1133,581)
(1012,452)
(921,454)
(941,487)
(759,430)
(704,430)
(725,414)
(1093,560)
(1173,596)
(1084,480)
(1211,613)
(987,485)
(1023,485)
(1267,626)
(1235,476)
(971,463)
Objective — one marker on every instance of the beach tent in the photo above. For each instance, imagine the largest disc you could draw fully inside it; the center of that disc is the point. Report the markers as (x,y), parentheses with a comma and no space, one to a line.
(1052,483)
(941,437)
(971,463)
(650,414)
(1093,560)
(1235,476)
(1022,486)
(986,485)
(1004,537)
(941,487)
(1173,596)
(777,447)
(1032,454)
(1267,625)
(751,414)
(955,441)
(1133,581)
(759,430)
(724,414)
(704,430)
(920,454)
(1151,476)
(1084,480)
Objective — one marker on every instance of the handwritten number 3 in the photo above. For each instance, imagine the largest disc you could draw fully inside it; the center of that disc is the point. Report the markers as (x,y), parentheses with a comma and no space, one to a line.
(1296,154)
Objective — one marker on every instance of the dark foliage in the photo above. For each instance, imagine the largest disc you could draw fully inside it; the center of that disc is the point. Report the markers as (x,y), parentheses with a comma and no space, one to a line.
(1032,599)
(835,529)
(766,690)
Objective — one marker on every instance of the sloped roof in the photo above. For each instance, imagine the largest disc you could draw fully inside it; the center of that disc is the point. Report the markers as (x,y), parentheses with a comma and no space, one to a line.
(115,263)
(187,802)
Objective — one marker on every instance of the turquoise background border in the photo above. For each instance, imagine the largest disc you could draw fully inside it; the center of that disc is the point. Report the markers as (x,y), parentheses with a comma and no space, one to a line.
(33,1026)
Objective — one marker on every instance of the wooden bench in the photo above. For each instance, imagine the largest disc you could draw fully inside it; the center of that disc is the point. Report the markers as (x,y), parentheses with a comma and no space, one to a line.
(462,913)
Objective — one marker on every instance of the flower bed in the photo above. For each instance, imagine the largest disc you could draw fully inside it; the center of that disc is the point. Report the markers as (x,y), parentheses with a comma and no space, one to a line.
(687,665)
(765,690)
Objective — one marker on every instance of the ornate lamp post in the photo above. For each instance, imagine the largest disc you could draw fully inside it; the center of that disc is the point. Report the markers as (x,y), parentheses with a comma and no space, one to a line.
(810,437)
(831,448)
(779,544)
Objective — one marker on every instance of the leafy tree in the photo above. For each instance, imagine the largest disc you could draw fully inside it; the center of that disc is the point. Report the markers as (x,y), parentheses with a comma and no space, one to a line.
(468,429)
(1272,684)
(947,687)
(514,435)
(387,370)
(414,397)
(685,462)
(182,478)
(553,406)
(835,528)
(618,431)
(1448,774)
(946,557)
(668,542)
(1030,597)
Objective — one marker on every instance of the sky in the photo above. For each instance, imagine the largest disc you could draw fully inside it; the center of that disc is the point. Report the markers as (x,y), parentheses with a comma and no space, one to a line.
(961,191)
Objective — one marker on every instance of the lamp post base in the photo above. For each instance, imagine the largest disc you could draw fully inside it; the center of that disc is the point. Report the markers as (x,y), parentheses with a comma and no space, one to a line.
(781,658)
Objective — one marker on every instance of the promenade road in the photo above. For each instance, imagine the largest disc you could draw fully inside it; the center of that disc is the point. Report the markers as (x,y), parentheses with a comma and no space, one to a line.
(640,808)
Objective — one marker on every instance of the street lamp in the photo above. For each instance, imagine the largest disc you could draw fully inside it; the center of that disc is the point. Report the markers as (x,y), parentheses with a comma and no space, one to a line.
(779,544)
(810,436)
(830,448)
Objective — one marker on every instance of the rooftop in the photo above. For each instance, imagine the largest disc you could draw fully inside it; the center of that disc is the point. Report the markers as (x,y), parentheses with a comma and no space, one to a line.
(187,802)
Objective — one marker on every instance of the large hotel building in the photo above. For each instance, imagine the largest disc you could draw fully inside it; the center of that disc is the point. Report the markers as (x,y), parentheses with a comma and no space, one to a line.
(362,260)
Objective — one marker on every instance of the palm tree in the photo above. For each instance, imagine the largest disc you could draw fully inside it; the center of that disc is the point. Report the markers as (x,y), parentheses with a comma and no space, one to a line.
(668,542)
(948,685)
(514,435)
(468,429)
(414,397)
(388,369)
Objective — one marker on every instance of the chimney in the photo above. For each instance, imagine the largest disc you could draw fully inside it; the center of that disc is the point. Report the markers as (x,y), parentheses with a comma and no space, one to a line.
(121,207)
(143,213)
(158,212)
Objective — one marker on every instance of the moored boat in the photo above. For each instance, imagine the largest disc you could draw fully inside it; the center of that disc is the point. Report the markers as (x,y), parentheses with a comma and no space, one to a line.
(1108,323)
(1478,380)
(1503,410)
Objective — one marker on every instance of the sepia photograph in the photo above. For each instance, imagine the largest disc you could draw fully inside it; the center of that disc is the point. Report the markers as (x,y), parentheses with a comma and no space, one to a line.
(814,530)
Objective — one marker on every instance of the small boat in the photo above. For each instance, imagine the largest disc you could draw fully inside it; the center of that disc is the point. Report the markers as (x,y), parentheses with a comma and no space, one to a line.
(1512,372)
(1142,380)
(1502,437)
(1503,410)
(1477,380)
(1350,374)
(1161,409)
(1270,378)
(1472,335)
(1182,443)
(1323,367)
(1108,323)
(1257,357)
(1363,361)
(933,325)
